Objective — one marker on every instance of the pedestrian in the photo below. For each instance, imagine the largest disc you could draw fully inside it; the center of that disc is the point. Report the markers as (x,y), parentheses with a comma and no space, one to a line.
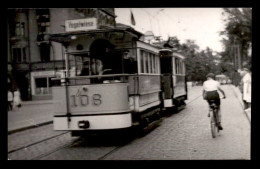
(246,88)
(17,99)
(10,100)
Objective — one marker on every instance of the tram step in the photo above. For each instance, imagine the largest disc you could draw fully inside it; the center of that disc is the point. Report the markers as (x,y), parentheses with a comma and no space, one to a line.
(181,107)
(152,125)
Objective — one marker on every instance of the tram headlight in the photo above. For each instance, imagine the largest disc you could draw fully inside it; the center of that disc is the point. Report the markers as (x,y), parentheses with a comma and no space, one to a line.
(83,124)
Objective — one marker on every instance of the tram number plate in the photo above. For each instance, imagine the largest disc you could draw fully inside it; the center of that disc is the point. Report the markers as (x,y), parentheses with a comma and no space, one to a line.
(81,100)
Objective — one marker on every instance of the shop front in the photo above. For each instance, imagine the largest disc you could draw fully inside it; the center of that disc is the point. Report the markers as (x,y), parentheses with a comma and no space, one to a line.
(41,84)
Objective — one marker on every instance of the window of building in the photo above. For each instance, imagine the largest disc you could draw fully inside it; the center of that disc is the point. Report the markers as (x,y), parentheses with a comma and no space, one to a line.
(43,85)
(19,29)
(43,20)
(45,52)
(19,55)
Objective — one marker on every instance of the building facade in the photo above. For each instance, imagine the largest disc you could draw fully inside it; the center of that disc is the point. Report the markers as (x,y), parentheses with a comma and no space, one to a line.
(32,59)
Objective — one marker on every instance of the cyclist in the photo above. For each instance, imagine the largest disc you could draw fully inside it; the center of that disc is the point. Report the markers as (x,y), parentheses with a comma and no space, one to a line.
(210,92)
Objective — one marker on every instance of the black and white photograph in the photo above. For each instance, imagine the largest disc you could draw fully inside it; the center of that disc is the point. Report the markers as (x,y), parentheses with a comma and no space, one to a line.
(129,83)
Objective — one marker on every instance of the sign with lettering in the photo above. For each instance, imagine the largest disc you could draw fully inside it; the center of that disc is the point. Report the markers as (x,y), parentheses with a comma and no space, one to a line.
(80,25)
(81,98)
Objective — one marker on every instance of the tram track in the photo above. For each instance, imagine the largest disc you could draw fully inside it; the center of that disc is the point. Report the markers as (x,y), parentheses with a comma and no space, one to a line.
(71,143)
(30,149)
(38,142)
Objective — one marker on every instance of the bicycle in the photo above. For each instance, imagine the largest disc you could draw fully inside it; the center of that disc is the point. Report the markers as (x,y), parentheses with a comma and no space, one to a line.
(214,116)
(214,119)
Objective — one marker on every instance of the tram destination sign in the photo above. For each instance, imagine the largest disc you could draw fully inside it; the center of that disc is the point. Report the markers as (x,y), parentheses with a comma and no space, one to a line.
(80,25)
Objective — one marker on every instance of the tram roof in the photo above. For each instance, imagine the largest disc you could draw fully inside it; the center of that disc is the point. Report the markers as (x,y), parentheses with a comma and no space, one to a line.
(172,53)
(65,37)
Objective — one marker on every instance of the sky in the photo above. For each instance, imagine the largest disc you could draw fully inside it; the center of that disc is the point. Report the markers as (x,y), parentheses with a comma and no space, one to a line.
(200,24)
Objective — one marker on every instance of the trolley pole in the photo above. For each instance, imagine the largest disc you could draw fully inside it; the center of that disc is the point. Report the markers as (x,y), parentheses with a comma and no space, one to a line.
(66,84)
(66,62)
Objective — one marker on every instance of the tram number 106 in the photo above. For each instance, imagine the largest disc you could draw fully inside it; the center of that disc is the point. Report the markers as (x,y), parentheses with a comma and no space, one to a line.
(83,100)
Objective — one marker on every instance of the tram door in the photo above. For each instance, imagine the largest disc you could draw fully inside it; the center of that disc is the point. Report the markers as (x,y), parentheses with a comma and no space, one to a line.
(166,78)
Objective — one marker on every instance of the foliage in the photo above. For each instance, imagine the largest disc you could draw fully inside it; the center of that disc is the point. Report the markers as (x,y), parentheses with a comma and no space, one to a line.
(238,30)
(199,63)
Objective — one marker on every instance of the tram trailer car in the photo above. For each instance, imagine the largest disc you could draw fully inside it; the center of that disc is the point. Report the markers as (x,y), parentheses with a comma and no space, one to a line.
(173,80)
(128,94)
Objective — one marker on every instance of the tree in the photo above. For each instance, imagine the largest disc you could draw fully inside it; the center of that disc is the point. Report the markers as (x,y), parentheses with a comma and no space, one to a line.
(238,30)
(199,64)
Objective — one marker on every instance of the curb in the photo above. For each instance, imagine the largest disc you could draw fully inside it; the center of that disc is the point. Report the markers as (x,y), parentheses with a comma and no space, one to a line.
(28,127)
(238,96)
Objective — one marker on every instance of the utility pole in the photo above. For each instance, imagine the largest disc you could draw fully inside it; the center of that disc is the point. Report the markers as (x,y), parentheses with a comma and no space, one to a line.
(236,61)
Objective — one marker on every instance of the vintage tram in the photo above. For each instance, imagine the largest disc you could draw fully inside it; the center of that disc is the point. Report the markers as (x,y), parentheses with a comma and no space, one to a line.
(115,81)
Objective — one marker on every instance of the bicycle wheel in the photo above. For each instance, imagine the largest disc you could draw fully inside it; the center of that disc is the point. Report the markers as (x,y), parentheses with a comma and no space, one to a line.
(216,119)
(213,124)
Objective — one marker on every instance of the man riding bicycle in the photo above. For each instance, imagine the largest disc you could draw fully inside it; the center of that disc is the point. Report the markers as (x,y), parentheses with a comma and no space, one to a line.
(210,92)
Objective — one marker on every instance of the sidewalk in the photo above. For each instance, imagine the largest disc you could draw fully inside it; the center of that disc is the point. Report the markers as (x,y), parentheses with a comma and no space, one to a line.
(238,94)
(31,114)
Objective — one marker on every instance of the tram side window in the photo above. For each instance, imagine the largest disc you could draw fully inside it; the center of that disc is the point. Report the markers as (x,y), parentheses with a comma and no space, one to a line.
(156,59)
(142,61)
(179,66)
(176,66)
(183,68)
(149,62)
(146,62)
(130,63)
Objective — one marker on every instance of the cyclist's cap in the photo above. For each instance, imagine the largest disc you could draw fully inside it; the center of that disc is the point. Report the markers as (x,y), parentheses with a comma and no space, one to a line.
(211,75)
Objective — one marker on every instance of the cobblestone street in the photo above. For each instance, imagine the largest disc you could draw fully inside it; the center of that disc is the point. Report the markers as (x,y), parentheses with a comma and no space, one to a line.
(182,136)
(186,135)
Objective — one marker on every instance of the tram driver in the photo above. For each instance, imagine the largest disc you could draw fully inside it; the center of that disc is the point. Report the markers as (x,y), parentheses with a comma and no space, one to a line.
(96,67)
(85,69)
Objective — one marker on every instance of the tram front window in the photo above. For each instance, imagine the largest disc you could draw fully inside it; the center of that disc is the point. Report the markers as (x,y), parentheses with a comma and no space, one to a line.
(98,65)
